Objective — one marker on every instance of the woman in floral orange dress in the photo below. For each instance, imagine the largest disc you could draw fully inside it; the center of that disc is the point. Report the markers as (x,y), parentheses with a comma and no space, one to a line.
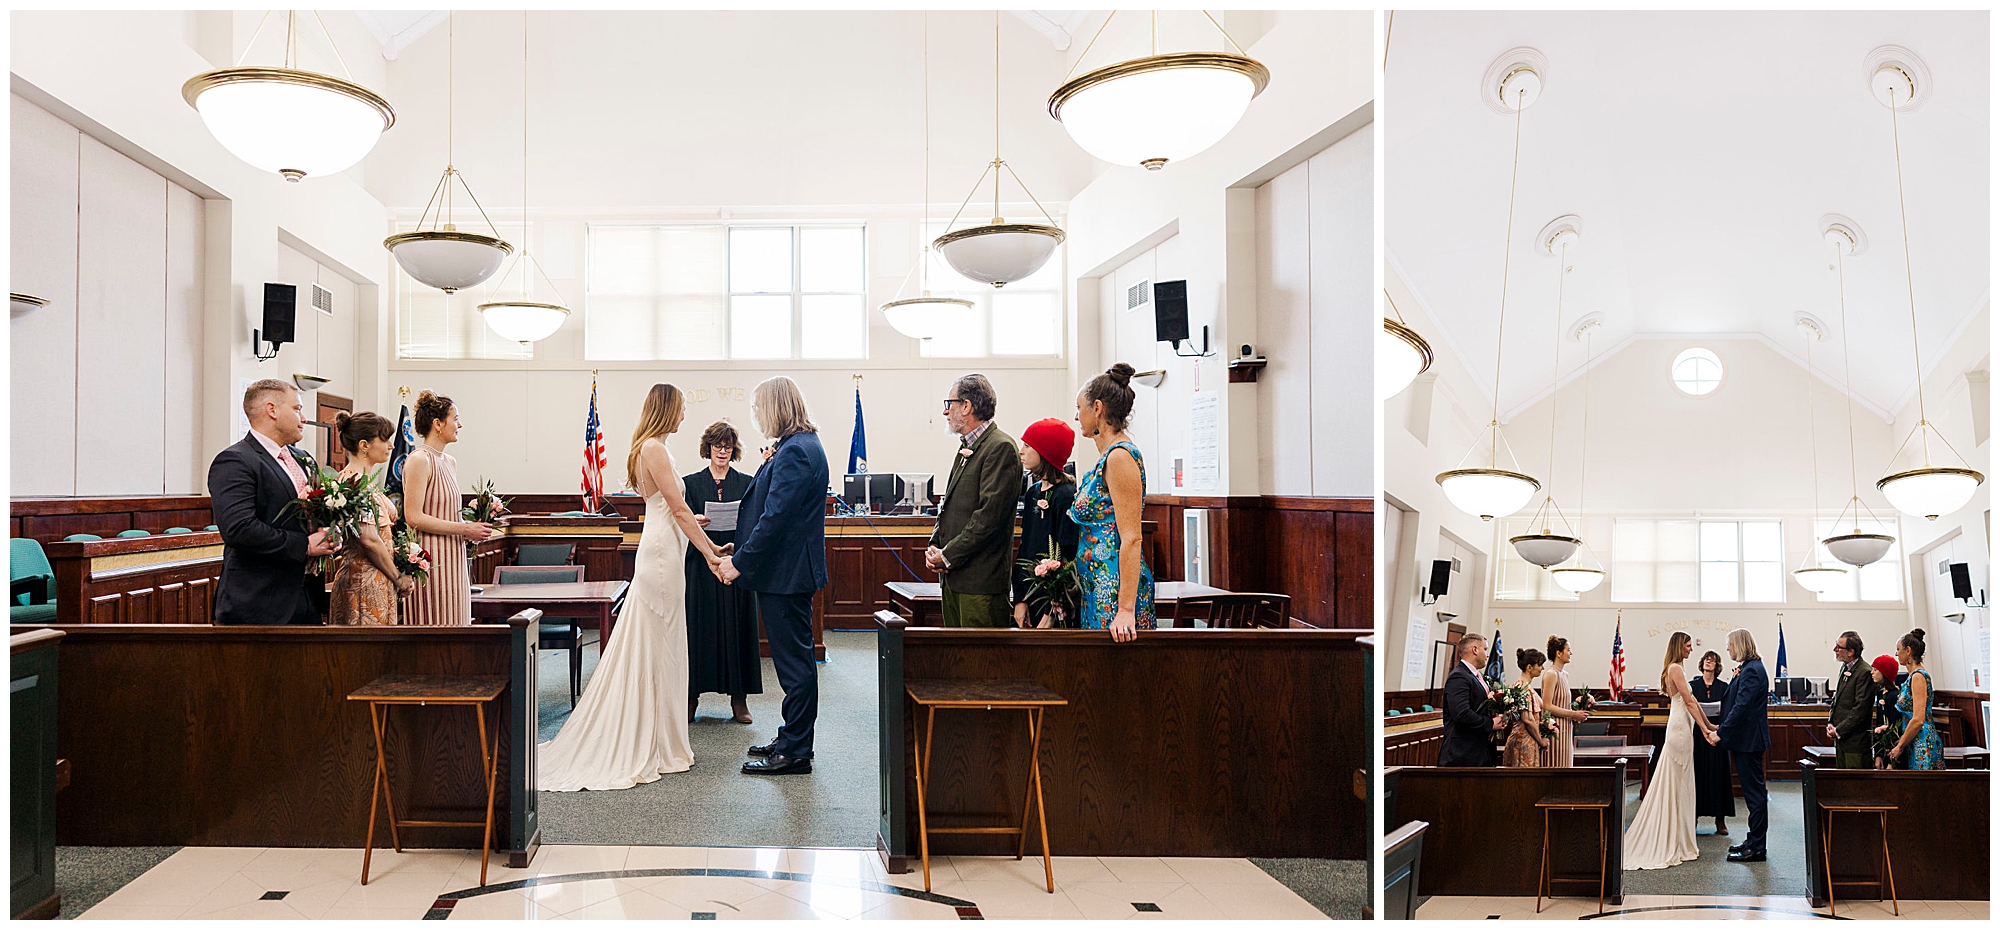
(366,584)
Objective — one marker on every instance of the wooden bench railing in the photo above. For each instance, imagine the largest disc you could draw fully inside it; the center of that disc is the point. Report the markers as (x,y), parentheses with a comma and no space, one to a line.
(141,579)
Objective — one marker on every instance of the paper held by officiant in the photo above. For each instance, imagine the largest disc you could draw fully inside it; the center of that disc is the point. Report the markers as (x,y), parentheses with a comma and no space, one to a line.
(721,516)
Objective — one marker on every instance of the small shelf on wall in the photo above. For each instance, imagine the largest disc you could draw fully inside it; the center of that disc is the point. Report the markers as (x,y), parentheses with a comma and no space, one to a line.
(1246,369)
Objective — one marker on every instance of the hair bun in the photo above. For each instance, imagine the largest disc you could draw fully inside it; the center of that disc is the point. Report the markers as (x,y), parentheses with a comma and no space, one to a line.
(340,420)
(1121,373)
(1918,634)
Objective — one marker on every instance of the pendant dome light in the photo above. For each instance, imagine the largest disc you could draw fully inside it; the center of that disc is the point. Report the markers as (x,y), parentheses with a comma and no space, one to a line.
(999,252)
(1581,576)
(1811,574)
(1400,354)
(1548,547)
(1160,108)
(287,120)
(1493,491)
(442,256)
(1856,548)
(1928,491)
(924,316)
(524,320)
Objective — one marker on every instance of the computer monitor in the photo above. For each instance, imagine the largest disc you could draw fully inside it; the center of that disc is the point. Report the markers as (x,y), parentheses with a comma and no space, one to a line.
(872,492)
(916,493)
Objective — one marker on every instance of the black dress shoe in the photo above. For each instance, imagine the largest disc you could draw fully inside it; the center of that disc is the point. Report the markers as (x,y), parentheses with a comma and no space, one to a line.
(763,750)
(1736,847)
(776,764)
(1746,857)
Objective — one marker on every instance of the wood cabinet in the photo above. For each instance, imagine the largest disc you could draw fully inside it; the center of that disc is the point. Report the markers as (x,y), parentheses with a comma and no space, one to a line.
(32,775)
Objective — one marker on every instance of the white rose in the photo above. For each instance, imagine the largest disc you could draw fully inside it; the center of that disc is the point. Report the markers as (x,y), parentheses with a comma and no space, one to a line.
(337,501)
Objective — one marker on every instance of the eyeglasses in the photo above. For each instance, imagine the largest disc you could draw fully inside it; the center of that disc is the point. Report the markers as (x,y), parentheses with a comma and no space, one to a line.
(952,400)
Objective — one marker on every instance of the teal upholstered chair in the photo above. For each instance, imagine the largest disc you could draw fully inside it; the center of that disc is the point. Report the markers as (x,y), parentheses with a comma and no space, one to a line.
(81,537)
(173,530)
(543,554)
(33,583)
(577,513)
(211,527)
(129,533)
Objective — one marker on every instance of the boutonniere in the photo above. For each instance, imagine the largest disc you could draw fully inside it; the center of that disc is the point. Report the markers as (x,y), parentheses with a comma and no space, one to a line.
(1043,503)
(965,452)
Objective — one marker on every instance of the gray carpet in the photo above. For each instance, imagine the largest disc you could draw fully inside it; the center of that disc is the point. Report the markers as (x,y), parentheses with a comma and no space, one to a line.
(1782,873)
(714,803)
(86,875)
(1338,887)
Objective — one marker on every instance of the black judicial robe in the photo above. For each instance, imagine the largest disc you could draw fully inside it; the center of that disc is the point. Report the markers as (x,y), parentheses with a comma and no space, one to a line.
(721,619)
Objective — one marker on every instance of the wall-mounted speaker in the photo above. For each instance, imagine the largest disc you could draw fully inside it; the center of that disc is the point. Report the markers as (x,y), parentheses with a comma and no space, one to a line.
(1170,311)
(1961,581)
(281,308)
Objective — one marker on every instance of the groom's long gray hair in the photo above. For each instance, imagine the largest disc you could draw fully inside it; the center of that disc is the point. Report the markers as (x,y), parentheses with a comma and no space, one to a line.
(1746,648)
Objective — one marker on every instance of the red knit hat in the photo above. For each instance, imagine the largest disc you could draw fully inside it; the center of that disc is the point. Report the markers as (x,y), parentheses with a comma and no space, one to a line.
(1052,439)
(1888,666)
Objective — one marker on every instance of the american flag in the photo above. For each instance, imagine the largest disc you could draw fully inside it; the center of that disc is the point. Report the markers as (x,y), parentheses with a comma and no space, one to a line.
(593,455)
(1617,658)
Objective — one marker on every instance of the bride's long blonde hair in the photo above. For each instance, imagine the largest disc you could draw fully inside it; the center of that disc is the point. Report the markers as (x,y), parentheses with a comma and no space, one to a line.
(665,406)
(1675,644)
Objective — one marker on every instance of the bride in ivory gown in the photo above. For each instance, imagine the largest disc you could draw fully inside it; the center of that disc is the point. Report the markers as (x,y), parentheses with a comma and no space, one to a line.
(1662,834)
(631,726)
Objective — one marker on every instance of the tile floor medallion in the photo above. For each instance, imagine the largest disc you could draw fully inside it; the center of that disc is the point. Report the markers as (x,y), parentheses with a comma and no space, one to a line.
(1691,907)
(689,883)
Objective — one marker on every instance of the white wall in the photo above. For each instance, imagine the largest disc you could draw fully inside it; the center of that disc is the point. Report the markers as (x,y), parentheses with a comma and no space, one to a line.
(1315,235)
(116,76)
(1320,75)
(117,249)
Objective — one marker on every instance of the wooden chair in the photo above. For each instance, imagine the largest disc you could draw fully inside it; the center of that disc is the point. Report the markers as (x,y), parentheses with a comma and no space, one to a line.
(1236,611)
(557,632)
(1582,740)
(544,554)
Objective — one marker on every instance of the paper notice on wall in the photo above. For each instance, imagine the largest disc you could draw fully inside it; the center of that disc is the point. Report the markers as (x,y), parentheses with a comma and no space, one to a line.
(1417,650)
(1204,468)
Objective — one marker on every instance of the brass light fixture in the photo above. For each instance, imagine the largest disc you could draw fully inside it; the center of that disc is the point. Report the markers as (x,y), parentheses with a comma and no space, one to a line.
(287,120)
(1548,547)
(1581,576)
(1494,491)
(1856,548)
(924,316)
(442,256)
(1160,108)
(524,320)
(1929,490)
(1400,354)
(999,252)
(1811,574)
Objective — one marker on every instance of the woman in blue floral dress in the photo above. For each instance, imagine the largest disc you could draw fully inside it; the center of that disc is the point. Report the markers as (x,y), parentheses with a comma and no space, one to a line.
(1920,744)
(1117,585)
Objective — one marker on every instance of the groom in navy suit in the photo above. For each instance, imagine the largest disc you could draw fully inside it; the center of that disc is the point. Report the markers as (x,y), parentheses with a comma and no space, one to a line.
(781,555)
(1745,731)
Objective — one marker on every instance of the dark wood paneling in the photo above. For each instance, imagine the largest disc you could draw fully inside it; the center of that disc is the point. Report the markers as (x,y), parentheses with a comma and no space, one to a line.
(1970,728)
(1937,834)
(32,783)
(1181,743)
(49,519)
(96,584)
(1317,550)
(1486,822)
(241,736)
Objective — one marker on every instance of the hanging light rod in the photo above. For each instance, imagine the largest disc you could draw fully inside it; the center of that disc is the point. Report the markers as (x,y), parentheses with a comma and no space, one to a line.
(525,320)
(442,256)
(998,253)
(1548,547)
(924,316)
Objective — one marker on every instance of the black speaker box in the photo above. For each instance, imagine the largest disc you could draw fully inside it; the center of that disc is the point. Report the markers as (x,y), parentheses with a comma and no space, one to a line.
(1170,321)
(1961,581)
(281,305)
(1440,577)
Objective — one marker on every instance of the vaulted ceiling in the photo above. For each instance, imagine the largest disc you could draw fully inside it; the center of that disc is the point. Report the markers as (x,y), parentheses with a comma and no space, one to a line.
(1700,151)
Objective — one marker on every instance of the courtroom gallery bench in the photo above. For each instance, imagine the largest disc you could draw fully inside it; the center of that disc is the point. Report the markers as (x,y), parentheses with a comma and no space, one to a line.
(140,579)
(1937,834)
(1487,817)
(1191,742)
(203,735)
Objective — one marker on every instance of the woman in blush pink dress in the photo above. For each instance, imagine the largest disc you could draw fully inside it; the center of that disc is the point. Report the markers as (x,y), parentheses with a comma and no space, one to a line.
(431,504)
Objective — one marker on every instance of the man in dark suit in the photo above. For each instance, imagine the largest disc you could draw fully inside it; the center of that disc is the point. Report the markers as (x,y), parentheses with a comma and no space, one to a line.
(781,555)
(1745,730)
(972,547)
(264,546)
(1848,722)
(1468,731)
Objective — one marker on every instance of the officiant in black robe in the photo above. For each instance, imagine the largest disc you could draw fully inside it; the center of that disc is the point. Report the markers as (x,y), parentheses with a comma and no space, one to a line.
(721,619)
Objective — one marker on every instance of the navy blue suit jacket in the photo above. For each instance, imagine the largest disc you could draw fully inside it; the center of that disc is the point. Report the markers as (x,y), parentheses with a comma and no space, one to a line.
(1746,723)
(781,528)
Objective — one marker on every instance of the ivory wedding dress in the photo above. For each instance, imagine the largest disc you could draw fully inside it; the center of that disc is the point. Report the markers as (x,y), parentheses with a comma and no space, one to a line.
(1662,835)
(631,725)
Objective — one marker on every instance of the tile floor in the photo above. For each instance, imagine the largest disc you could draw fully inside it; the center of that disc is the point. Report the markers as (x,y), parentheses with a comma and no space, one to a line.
(739,883)
(1689,907)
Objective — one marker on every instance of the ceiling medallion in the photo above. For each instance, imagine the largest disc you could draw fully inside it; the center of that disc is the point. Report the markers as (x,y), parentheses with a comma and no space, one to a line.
(289,121)
(1160,108)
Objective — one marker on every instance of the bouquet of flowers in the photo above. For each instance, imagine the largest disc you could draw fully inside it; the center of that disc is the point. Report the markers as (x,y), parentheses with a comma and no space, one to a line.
(1583,700)
(1886,739)
(1513,703)
(412,558)
(1547,726)
(336,503)
(1054,589)
(487,506)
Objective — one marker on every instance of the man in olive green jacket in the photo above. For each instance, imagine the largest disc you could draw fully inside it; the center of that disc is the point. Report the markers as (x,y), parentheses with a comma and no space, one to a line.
(1850,723)
(973,546)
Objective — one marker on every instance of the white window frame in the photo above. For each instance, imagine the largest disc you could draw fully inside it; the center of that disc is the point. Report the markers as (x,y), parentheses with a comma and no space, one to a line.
(1741,563)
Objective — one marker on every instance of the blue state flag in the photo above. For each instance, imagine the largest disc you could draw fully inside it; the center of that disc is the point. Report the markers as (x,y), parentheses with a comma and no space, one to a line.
(1781,652)
(857,451)
(406,439)
(1496,663)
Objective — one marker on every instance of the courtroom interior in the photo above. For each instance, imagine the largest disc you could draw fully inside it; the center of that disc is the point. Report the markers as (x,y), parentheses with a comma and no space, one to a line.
(484,518)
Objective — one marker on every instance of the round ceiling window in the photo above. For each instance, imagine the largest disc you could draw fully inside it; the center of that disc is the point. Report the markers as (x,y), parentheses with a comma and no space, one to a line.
(1697,371)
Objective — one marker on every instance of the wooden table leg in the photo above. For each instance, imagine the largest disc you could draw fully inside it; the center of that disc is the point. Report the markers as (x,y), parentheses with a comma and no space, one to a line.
(1041,809)
(1603,859)
(1542,877)
(486,758)
(374,793)
(923,755)
(1889,867)
(1826,844)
